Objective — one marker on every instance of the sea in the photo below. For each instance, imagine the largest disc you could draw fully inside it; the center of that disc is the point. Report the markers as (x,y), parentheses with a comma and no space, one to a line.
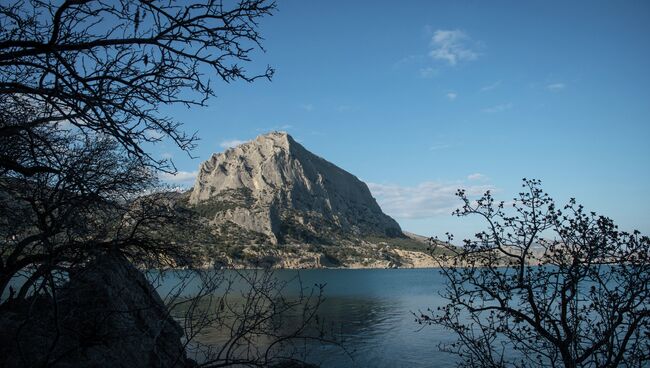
(370,314)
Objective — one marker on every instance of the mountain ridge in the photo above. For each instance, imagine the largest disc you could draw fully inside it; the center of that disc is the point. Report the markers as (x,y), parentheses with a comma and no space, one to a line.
(275,187)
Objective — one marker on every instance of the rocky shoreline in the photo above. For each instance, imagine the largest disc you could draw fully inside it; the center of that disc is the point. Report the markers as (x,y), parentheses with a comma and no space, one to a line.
(305,258)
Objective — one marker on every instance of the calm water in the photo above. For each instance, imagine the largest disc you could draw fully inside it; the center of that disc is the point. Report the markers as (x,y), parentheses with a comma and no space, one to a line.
(370,310)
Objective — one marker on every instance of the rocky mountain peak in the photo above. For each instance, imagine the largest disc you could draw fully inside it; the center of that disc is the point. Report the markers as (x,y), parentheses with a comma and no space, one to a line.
(272,185)
(270,142)
(277,139)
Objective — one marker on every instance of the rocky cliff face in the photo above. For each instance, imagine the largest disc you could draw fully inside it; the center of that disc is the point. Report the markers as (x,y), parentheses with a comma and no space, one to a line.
(275,188)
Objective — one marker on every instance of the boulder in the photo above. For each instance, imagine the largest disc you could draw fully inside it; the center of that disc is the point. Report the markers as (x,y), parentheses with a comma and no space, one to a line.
(106,315)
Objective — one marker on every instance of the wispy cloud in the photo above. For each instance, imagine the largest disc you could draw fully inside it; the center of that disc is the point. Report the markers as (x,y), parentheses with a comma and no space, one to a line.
(498,108)
(428,72)
(154,134)
(285,127)
(452,96)
(345,108)
(439,146)
(307,107)
(229,143)
(490,87)
(555,87)
(276,128)
(425,200)
(185,178)
(477,177)
(451,46)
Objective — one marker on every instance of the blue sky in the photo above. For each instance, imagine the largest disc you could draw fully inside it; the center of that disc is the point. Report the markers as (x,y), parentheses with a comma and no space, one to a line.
(418,98)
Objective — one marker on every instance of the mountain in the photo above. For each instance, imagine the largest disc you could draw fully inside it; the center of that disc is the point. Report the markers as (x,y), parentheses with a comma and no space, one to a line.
(273,190)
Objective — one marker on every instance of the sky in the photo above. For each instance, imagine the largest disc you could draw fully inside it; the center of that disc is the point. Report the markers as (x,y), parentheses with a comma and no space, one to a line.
(419,98)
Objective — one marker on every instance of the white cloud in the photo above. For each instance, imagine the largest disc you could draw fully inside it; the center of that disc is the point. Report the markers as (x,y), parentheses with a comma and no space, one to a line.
(452,96)
(180,178)
(166,155)
(451,46)
(490,87)
(477,176)
(498,108)
(153,134)
(425,200)
(307,107)
(554,87)
(231,143)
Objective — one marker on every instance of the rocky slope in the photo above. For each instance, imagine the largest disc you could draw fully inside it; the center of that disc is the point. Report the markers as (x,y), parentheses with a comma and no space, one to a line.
(272,190)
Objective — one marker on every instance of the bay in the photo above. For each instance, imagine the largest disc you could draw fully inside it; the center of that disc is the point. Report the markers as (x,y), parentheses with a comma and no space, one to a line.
(371,312)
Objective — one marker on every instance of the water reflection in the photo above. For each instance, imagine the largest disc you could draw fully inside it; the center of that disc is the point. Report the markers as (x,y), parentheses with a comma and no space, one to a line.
(368,311)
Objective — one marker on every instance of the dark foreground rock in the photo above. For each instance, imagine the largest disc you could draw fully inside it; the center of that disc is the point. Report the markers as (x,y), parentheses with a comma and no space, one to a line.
(107,315)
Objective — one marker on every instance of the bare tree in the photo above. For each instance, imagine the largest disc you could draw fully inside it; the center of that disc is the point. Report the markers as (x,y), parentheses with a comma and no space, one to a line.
(106,66)
(248,318)
(546,287)
(81,83)
(52,222)
(81,86)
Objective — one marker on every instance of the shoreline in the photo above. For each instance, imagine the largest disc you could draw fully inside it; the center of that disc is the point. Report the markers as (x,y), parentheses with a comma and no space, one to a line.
(294,269)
